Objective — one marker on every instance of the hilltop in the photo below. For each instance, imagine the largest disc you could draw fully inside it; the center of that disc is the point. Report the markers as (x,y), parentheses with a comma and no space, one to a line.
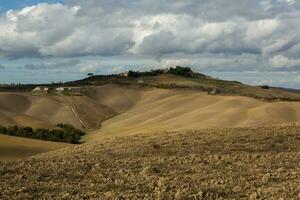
(173,78)
(185,78)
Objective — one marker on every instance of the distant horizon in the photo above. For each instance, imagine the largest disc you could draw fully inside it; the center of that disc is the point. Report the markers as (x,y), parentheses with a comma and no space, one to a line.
(228,76)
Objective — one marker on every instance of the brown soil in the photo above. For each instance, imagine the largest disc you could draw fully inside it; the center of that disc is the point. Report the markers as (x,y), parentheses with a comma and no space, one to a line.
(238,163)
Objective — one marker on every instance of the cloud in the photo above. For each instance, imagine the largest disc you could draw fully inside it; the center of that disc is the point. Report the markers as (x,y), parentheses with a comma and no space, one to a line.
(239,34)
(217,62)
(52,65)
(282,63)
(56,30)
(167,63)
(94,68)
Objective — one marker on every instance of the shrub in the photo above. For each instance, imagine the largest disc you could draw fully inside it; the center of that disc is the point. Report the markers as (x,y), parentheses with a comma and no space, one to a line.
(3,130)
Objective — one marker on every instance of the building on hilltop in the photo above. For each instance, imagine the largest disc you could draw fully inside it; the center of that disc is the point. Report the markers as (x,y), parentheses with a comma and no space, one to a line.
(124,74)
(74,91)
(60,89)
(40,89)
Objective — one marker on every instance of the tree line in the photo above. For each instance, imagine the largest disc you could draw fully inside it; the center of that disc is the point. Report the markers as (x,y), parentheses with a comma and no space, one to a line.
(178,70)
(64,133)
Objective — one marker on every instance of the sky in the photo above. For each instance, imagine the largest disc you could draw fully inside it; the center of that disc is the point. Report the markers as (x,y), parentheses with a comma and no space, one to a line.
(256,42)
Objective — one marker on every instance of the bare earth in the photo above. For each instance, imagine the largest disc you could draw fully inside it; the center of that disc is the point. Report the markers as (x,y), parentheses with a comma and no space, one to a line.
(239,163)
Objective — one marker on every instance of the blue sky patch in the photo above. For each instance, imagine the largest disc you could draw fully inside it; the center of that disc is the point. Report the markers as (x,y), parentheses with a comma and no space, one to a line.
(19,4)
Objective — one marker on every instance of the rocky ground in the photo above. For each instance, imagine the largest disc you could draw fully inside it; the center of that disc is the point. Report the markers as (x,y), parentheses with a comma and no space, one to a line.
(260,163)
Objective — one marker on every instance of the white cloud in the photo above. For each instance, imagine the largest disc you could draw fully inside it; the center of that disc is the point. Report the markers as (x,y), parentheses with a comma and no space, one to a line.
(176,62)
(58,30)
(238,34)
(261,29)
(289,2)
(280,61)
(94,68)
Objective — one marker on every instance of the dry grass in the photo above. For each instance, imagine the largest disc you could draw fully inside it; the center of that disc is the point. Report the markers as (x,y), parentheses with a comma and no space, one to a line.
(239,163)
(47,111)
(12,148)
(165,110)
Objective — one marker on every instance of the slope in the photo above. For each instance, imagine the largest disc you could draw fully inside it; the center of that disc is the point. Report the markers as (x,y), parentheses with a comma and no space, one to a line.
(247,163)
(46,111)
(116,97)
(12,148)
(163,109)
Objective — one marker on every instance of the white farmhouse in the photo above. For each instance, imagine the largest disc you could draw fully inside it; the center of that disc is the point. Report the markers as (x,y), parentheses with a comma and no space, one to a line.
(41,90)
(37,89)
(60,89)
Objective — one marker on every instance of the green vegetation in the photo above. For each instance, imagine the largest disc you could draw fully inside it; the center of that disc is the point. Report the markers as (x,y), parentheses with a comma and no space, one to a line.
(181,71)
(178,70)
(137,74)
(65,133)
(266,87)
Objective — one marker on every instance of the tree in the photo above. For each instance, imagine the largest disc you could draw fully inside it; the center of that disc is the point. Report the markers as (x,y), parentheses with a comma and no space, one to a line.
(181,71)
(90,74)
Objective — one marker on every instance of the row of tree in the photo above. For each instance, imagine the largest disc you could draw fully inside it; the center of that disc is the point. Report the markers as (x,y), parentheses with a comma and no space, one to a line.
(137,74)
(178,70)
(64,133)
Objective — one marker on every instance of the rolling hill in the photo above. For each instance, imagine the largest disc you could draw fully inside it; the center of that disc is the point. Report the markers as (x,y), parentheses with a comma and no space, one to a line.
(154,135)
(146,102)
(46,111)
(169,110)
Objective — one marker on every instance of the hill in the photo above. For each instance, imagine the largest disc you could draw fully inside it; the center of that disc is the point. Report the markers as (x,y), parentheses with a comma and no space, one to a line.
(171,134)
(239,163)
(173,78)
(26,109)
(185,79)
(172,109)
(12,148)
(148,103)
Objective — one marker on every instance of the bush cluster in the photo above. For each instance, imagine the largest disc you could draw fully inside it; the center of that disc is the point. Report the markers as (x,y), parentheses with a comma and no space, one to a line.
(64,133)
